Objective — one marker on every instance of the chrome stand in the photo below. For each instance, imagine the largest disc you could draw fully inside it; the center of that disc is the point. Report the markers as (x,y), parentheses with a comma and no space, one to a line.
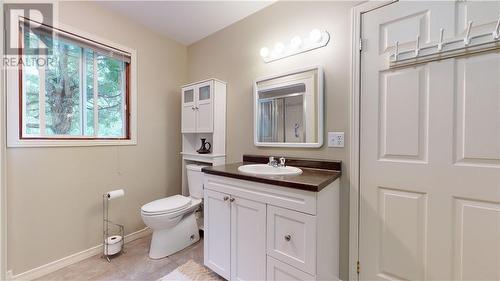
(106,223)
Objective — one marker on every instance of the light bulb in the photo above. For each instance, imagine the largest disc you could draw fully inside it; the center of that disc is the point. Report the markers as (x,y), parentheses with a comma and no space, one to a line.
(295,42)
(264,52)
(279,47)
(315,35)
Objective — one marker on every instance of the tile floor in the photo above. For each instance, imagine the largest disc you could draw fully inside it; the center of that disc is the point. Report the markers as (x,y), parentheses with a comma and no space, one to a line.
(134,264)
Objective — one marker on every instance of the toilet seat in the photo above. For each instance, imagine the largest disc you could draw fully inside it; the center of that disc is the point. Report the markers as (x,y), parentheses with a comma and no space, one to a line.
(166,205)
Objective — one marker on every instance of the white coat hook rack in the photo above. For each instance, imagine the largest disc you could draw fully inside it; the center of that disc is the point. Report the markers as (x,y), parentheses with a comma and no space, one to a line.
(467,45)
(417,46)
(396,50)
(467,34)
(496,32)
(440,45)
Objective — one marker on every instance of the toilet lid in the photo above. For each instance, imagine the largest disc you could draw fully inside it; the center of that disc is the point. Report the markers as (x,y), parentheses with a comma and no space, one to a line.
(167,205)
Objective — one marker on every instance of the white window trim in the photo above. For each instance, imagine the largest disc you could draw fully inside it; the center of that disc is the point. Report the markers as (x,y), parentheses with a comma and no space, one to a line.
(12,79)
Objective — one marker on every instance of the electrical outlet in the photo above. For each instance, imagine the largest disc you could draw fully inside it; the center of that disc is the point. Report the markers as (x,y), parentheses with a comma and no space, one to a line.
(335,139)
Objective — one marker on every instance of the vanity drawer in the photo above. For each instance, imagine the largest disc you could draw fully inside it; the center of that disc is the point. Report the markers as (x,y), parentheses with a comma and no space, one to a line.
(291,238)
(290,198)
(279,271)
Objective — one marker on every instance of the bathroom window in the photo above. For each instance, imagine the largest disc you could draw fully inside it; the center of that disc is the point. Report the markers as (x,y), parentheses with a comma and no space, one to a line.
(72,88)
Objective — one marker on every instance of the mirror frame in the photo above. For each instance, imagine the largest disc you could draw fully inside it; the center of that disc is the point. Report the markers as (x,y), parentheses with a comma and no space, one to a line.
(320,113)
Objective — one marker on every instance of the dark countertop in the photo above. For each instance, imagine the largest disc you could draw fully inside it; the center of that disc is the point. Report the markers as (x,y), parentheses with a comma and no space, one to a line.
(311,179)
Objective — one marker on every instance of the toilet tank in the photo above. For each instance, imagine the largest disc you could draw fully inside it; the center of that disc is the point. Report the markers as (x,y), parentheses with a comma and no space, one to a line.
(195,180)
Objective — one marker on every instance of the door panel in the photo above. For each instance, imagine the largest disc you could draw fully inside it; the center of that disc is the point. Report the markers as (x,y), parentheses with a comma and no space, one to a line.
(248,240)
(430,148)
(403,215)
(217,213)
(478,100)
(478,240)
(403,115)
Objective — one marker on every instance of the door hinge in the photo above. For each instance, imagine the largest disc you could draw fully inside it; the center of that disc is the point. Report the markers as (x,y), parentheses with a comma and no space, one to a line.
(360,44)
(358,268)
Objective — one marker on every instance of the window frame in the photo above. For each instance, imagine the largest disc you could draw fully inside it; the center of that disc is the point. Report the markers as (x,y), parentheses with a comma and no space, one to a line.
(15,97)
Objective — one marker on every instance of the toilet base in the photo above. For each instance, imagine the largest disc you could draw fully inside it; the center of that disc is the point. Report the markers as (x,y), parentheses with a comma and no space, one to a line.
(168,241)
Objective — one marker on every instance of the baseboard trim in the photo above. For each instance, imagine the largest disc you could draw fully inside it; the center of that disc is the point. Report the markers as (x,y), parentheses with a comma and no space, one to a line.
(69,260)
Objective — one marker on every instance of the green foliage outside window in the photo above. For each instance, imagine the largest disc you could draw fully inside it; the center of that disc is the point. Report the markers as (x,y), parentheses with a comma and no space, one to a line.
(69,94)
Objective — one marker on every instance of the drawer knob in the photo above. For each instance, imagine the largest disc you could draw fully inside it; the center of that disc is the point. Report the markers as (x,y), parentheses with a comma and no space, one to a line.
(288,237)
(226,198)
(231,200)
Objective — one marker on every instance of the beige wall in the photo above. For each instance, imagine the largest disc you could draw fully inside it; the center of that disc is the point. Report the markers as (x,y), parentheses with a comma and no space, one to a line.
(232,55)
(54,194)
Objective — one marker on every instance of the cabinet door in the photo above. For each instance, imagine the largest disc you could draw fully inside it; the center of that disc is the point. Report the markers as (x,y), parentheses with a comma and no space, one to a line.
(204,107)
(248,239)
(217,218)
(188,110)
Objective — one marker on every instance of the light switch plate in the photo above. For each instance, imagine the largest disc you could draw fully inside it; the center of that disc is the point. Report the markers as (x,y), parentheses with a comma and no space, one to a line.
(335,139)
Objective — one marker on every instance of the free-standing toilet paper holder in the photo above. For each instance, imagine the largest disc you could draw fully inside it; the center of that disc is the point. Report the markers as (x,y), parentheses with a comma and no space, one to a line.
(109,248)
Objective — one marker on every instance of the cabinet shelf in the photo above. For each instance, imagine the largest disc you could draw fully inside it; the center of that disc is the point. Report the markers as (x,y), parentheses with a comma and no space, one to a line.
(208,158)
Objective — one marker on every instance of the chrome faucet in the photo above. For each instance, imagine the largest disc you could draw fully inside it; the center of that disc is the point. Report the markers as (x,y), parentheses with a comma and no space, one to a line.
(282,162)
(272,162)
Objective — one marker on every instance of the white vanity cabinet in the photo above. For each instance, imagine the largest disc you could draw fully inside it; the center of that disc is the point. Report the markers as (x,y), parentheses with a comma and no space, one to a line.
(256,231)
(238,234)
(200,101)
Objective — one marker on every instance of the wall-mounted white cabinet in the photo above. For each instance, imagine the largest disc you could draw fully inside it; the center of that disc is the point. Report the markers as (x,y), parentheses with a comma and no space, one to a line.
(257,231)
(203,107)
(200,101)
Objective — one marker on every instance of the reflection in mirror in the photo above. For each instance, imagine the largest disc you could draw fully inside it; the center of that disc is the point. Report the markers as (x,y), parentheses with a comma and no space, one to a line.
(281,114)
(288,109)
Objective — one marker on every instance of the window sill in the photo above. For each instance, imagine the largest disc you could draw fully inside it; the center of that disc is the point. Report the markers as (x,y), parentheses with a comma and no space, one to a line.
(68,143)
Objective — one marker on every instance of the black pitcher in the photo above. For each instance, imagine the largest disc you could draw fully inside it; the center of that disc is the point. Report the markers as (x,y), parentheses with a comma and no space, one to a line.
(205,147)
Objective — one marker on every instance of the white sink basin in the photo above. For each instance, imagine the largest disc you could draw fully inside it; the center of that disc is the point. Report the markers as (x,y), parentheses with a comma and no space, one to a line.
(266,170)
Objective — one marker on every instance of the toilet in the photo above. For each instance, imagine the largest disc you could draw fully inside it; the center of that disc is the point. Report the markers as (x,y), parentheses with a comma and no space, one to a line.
(172,219)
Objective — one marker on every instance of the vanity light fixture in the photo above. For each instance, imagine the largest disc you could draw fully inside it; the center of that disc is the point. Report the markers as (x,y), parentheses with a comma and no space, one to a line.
(297,45)
(264,52)
(279,48)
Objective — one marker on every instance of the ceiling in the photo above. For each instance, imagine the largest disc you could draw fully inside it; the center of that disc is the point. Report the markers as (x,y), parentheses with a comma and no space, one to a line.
(186,21)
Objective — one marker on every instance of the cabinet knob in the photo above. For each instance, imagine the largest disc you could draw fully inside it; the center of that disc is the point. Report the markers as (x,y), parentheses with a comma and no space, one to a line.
(288,237)
(193,108)
(226,198)
(231,200)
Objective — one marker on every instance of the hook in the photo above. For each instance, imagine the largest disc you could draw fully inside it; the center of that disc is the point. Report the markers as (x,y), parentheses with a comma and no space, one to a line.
(496,32)
(441,37)
(396,51)
(467,34)
(417,45)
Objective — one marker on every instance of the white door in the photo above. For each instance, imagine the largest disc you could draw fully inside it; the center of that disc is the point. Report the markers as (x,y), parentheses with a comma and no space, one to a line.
(188,110)
(217,219)
(204,108)
(248,239)
(430,148)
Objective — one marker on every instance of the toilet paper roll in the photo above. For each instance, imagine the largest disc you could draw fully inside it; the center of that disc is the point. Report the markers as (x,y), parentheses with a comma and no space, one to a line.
(113,245)
(115,194)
